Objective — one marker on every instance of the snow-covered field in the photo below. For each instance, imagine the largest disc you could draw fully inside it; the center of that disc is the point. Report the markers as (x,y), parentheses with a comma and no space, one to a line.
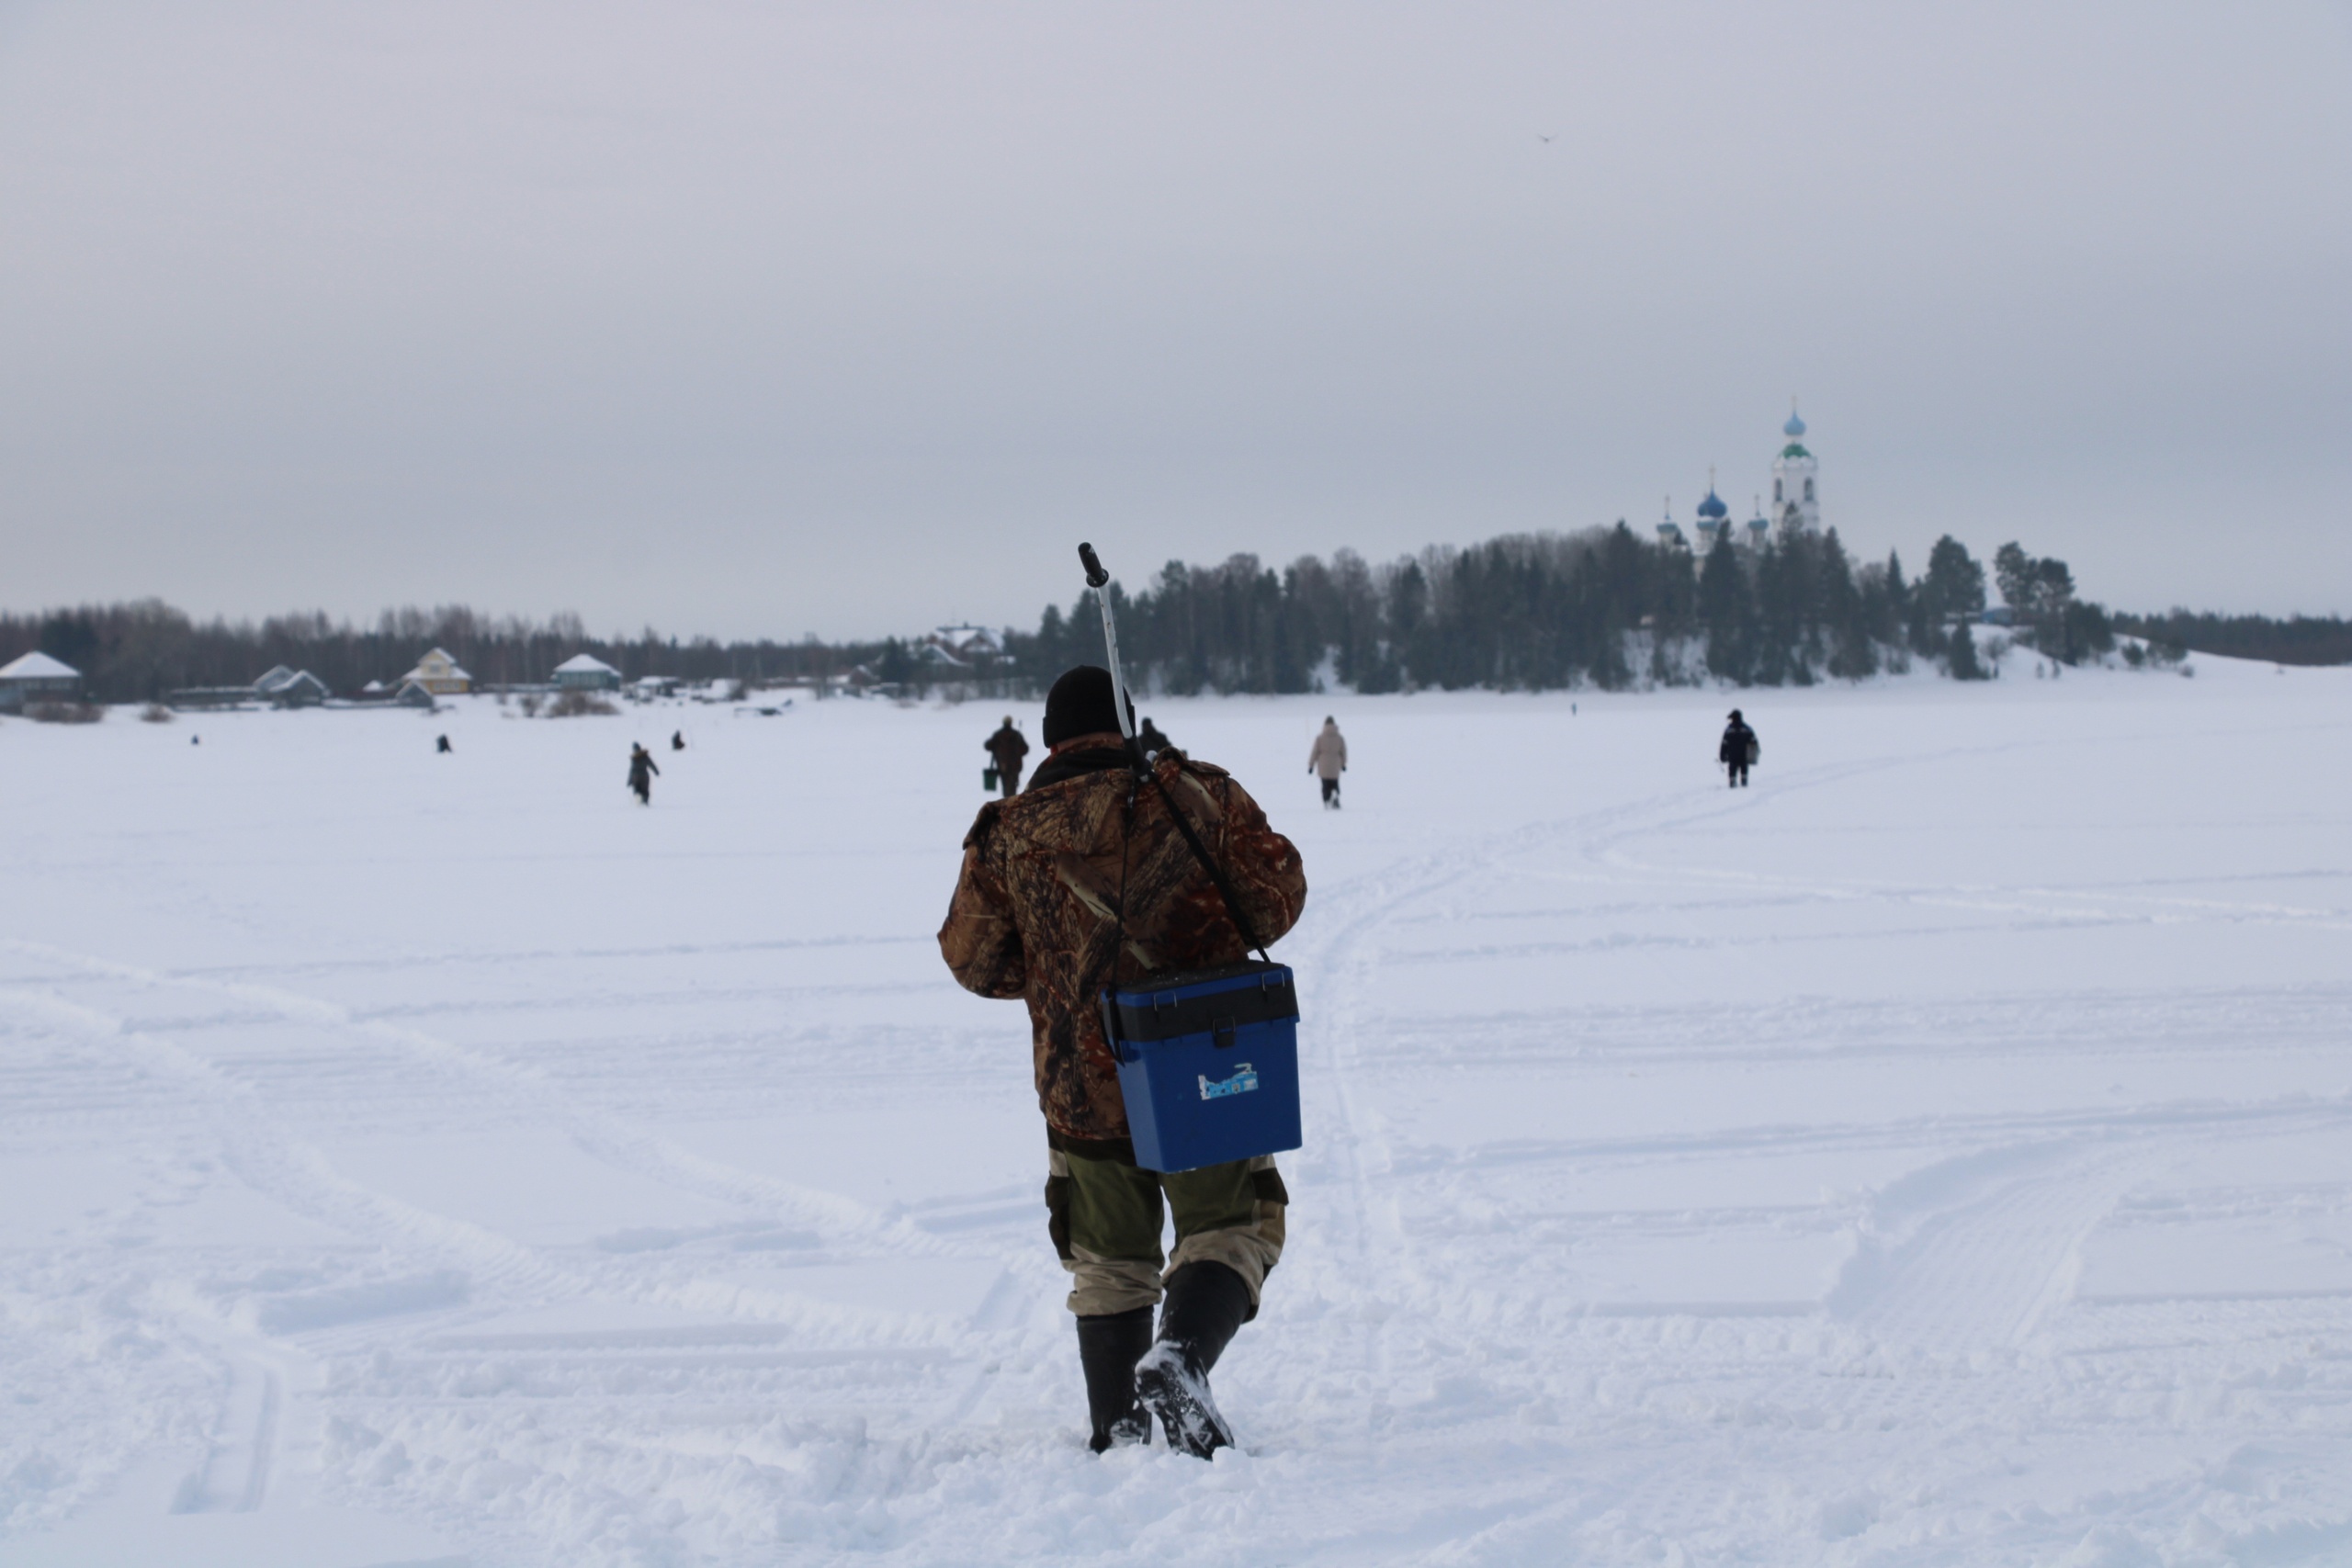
(1939,1153)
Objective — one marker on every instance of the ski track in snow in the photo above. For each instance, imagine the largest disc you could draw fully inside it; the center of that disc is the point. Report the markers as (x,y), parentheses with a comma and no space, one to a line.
(1923,1156)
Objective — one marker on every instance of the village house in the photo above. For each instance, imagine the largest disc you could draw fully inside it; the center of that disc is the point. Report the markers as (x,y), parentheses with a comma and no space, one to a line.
(587,672)
(292,688)
(441,675)
(37,678)
(965,645)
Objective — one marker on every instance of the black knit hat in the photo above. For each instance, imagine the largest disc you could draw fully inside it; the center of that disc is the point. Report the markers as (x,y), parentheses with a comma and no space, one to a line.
(1081,704)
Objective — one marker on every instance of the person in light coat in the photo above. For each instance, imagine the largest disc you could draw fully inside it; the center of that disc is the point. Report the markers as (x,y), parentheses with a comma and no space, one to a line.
(1328,760)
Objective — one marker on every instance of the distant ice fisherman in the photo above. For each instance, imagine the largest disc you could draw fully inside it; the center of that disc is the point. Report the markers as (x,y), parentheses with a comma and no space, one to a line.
(640,771)
(1008,747)
(1739,749)
(1328,760)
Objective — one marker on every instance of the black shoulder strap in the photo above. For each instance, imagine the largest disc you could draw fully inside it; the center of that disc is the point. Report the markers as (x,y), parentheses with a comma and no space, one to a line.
(1201,853)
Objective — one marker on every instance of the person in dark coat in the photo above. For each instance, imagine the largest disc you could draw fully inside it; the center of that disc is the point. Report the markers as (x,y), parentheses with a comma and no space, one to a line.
(677,740)
(1150,739)
(1738,750)
(640,773)
(442,746)
(1008,746)
(1083,881)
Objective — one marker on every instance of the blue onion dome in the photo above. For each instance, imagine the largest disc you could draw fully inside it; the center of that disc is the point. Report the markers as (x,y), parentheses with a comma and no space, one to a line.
(1713,507)
(1794,428)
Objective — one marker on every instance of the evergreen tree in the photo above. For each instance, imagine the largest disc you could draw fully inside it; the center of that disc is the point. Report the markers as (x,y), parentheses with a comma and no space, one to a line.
(1955,582)
(1886,610)
(1725,611)
(1852,654)
(1920,629)
(1409,642)
(2088,629)
(2016,573)
(1962,655)
(1778,655)
(1953,593)
(2041,592)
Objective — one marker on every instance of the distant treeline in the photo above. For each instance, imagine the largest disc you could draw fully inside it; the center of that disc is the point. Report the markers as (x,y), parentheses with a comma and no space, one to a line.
(1605,608)
(138,651)
(2297,640)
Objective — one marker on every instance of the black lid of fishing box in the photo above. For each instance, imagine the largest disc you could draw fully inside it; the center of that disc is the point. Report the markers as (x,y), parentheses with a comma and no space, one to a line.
(1197,1001)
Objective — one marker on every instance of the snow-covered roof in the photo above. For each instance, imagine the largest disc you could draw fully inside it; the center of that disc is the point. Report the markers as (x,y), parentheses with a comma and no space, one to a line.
(967,638)
(584,664)
(38,666)
(456,672)
(278,675)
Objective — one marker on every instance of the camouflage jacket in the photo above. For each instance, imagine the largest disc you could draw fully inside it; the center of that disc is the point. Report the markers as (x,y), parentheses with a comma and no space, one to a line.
(1037,909)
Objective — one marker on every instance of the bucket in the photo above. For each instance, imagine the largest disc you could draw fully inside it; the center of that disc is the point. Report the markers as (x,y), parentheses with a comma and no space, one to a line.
(1208,1063)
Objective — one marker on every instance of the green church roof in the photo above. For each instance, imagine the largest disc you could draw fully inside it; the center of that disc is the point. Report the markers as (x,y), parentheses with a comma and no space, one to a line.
(1793,450)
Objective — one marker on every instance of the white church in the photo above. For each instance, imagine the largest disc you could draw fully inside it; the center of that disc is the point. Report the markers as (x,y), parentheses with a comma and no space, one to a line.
(1796,502)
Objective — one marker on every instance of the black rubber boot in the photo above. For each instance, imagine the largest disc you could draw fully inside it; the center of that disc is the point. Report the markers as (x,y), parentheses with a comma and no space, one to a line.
(1207,1304)
(1108,1347)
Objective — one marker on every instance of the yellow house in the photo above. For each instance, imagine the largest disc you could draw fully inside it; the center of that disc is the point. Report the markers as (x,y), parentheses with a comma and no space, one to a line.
(440,674)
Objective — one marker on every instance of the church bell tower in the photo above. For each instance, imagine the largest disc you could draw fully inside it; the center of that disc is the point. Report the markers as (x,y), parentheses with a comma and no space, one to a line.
(1794,504)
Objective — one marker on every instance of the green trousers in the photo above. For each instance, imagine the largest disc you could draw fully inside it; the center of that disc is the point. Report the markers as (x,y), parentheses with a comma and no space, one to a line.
(1106,1217)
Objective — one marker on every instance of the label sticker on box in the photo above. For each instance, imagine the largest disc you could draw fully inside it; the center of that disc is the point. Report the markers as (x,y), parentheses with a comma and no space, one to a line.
(1243,1081)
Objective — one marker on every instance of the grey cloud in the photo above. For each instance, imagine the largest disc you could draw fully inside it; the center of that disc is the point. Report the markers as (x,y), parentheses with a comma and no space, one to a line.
(746,319)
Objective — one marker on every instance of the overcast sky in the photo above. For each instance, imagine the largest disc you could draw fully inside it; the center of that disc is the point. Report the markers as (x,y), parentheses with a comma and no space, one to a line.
(778,318)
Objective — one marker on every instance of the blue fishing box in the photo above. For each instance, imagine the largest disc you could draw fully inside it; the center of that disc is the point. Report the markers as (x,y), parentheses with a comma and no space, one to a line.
(1208,1063)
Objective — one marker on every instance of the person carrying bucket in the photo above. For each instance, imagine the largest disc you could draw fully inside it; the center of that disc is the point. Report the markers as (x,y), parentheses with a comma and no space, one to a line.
(1086,882)
(1007,749)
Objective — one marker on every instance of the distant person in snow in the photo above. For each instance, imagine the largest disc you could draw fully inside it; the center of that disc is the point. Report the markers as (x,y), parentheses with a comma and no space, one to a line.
(640,773)
(1150,739)
(677,740)
(1738,751)
(1008,747)
(1082,883)
(1328,760)
(442,746)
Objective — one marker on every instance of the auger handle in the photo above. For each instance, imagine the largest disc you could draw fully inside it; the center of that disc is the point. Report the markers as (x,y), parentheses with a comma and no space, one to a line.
(1095,575)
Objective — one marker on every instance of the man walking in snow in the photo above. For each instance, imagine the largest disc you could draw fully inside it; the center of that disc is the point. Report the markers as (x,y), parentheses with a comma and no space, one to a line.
(640,771)
(1739,750)
(1328,760)
(1008,746)
(1082,883)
